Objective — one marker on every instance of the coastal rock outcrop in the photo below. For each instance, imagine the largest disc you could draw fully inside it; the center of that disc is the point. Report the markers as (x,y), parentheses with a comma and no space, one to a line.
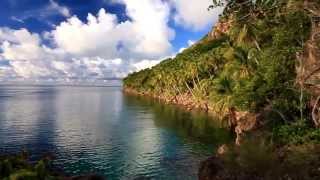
(222,27)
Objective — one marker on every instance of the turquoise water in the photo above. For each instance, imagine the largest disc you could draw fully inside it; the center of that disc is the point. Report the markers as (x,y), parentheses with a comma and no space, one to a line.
(101,130)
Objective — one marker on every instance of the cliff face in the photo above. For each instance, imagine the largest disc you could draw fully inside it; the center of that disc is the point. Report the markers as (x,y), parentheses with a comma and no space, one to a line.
(219,29)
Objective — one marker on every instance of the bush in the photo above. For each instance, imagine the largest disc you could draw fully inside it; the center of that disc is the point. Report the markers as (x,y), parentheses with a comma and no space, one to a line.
(296,133)
(17,167)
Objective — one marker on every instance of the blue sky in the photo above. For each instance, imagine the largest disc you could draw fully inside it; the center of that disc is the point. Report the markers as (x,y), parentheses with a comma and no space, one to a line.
(63,40)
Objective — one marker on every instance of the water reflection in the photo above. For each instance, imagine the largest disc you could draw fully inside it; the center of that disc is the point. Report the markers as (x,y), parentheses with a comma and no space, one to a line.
(98,129)
(26,121)
(196,125)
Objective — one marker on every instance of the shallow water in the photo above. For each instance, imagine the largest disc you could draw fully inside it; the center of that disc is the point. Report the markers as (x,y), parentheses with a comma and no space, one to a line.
(101,130)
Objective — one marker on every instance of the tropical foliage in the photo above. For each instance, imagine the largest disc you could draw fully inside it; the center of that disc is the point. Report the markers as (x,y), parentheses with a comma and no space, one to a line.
(249,67)
(18,167)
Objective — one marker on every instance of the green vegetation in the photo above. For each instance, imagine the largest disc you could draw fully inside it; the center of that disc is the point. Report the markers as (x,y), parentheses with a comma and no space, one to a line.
(18,167)
(255,61)
(258,159)
(296,133)
(249,67)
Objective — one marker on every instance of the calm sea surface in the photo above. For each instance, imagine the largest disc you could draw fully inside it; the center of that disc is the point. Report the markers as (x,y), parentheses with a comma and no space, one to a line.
(101,130)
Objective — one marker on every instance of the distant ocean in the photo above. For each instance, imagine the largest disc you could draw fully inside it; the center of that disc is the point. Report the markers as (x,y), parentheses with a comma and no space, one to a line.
(64,82)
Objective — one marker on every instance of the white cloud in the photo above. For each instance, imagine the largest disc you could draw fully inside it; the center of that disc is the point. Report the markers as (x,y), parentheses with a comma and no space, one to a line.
(14,18)
(150,22)
(54,6)
(194,14)
(145,64)
(30,59)
(95,37)
(20,45)
(146,35)
(191,42)
(98,48)
(43,13)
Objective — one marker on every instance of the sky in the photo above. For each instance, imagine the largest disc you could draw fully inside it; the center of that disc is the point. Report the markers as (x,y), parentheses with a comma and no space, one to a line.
(95,40)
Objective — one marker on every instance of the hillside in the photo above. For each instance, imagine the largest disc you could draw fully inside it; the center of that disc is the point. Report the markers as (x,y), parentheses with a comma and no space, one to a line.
(259,65)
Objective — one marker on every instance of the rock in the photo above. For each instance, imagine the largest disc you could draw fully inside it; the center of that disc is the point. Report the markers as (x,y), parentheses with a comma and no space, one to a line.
(223,149)
(222,27)
(210,169)
(241,122)
(215,169)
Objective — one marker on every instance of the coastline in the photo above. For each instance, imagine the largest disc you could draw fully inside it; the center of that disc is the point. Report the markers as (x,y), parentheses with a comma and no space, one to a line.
(237,122)
(184,100)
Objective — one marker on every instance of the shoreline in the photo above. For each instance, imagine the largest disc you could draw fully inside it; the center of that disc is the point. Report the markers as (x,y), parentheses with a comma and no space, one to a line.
(237,122)
(181,100)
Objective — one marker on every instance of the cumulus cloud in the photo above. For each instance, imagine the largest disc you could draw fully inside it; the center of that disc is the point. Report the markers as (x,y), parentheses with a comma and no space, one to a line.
(26,57)
(103,36)
(98,48)
(194,14)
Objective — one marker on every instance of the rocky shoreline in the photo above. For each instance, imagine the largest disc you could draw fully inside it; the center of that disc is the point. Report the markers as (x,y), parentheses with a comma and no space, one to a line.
(184,100)
(255,160)
(238,122)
